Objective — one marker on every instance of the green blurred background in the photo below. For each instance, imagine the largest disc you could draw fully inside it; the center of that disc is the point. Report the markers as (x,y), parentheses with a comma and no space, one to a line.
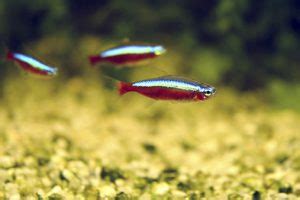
(244,44)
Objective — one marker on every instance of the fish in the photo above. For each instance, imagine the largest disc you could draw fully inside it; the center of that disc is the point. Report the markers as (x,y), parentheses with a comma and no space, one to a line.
(169,88)
(127,54)
(30,64)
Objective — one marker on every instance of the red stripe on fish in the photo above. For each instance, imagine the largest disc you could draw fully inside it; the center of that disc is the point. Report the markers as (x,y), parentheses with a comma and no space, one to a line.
(121,59)
(29,68)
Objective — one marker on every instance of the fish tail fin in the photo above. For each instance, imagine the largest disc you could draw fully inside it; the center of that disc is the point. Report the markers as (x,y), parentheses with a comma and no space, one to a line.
(123,87)
(94,59)
(9,55)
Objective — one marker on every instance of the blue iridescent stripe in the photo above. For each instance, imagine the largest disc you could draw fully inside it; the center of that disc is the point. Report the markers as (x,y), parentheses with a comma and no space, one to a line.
(172,82)
(135,49)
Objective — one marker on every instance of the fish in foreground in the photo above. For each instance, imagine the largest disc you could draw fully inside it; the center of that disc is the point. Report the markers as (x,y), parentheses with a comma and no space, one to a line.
(169,88)
(31,65)
(127,54)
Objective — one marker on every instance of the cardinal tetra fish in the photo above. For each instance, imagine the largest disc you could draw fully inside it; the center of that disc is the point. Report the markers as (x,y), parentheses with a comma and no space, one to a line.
(31,65)
(128,54)
(169,88)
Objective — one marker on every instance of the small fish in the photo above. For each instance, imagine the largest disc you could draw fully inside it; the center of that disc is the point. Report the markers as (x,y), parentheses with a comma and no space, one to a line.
(127,54)
(169,88)
(31,65)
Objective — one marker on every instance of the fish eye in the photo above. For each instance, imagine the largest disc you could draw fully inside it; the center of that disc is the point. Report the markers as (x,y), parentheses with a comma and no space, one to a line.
(207,93)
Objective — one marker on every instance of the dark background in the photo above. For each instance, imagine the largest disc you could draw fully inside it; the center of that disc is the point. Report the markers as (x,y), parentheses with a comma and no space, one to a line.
(259,41)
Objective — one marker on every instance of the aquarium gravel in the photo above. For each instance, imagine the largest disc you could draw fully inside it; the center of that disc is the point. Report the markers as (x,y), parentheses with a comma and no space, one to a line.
(80,140)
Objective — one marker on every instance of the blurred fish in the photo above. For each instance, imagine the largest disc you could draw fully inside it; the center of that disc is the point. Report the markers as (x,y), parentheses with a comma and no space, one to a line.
(31,65)
(169,88)
(127,54)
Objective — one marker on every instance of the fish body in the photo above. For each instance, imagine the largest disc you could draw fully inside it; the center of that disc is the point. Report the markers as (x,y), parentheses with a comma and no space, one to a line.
(169,88)
(31,65)
(127,54)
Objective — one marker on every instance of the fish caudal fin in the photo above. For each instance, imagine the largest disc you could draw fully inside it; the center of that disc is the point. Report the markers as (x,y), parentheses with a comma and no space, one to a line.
(123,87)
(94,59)
(9,55)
